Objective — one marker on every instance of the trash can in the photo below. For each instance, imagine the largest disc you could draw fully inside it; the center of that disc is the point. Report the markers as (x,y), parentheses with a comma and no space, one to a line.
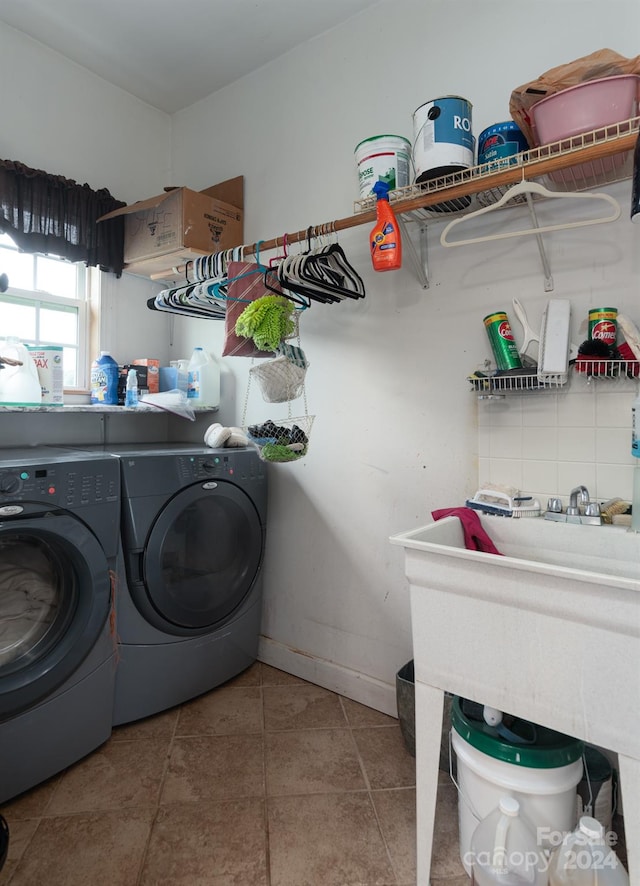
(406,702)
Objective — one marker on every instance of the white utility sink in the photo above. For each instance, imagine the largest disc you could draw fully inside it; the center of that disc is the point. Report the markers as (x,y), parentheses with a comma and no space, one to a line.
(549,632)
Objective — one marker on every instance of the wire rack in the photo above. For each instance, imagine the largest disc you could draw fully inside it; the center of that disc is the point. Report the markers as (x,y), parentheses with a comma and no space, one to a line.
(569,175)
(496,386)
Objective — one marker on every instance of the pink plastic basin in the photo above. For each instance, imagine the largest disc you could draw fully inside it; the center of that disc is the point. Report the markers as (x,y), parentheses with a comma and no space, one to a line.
(585,107)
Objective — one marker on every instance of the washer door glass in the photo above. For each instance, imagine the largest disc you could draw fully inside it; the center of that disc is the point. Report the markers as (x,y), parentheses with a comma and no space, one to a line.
(35,599)
(55,595)
(203,555)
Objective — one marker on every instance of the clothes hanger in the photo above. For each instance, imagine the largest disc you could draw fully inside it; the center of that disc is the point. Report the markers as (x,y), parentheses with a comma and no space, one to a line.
(218,289)
(274,271)
(529,189)
(323,273)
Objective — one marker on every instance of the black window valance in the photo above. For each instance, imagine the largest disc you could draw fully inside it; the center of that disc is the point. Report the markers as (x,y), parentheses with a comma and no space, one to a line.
(57,216)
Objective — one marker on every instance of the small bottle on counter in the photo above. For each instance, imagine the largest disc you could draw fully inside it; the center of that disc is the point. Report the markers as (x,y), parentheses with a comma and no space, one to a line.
(131,394)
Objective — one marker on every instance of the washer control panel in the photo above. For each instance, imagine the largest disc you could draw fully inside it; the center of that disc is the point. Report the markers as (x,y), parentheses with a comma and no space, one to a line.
(65,485)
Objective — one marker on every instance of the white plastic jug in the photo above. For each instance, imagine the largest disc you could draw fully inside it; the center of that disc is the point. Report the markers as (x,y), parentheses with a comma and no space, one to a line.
(19,384)
(504,850)
(203,388)
(585,858)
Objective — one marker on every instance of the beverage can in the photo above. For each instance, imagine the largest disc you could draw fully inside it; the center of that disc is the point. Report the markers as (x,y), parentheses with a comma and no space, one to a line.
(503,344)
(603,325)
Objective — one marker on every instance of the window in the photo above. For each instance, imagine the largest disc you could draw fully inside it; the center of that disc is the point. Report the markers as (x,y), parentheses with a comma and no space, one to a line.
(47,303)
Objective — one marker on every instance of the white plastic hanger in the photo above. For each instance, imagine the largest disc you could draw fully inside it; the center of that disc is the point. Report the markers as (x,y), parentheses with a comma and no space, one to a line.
(530,188)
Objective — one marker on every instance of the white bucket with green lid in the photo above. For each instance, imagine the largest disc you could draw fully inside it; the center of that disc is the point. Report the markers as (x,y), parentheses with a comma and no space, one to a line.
(542,772)
(385,158)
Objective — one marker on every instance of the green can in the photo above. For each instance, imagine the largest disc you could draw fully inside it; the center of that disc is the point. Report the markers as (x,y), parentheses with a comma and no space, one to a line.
(503,344)
(603,325)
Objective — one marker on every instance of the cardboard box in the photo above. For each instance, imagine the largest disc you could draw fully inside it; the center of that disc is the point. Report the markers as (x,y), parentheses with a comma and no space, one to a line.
(180,225)
(152,373)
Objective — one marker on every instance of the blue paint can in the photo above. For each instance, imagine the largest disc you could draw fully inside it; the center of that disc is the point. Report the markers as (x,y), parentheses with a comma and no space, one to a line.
(500,143)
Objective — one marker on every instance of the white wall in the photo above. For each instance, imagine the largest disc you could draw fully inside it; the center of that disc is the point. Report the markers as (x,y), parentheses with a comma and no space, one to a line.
(61,118)
(396,430)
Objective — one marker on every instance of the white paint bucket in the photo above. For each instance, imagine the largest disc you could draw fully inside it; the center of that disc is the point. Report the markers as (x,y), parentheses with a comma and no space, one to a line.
(384,158)
(544,780)
(442,137)
(50,373)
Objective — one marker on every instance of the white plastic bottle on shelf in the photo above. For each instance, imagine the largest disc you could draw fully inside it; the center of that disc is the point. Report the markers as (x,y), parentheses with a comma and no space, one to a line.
(585,858)
(203,387)
(131,390)
(504,850)
(19,383)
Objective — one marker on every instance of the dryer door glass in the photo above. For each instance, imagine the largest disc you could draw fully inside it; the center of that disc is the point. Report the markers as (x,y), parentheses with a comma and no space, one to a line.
(203,555)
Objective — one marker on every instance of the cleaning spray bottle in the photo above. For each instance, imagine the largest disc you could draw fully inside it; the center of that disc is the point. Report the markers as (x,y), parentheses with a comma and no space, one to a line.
(385,240)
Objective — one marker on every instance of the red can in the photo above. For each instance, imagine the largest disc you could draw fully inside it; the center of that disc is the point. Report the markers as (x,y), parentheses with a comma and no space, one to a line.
(603,325)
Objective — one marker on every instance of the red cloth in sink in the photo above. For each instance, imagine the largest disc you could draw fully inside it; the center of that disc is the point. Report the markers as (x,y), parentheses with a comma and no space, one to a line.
(475,538)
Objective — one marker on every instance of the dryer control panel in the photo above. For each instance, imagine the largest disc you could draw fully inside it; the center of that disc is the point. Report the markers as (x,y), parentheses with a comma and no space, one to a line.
(219,463)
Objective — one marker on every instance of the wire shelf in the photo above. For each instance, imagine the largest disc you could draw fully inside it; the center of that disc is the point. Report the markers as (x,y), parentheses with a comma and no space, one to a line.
(570,174)
(495,385)
(597,368)
(499,385)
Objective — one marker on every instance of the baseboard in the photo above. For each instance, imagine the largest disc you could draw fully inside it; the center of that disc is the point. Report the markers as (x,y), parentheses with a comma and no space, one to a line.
(352,684)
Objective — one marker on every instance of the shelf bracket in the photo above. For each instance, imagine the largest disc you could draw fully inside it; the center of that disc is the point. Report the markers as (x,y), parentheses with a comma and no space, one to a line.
(548,279)
(419,261)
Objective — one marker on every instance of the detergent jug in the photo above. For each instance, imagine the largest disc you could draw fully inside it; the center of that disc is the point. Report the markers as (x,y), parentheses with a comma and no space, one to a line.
(19,381)
(504,849)
(204,380)
(586,859)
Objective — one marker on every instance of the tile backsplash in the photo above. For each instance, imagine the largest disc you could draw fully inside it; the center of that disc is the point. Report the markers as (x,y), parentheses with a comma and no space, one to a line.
(547,442)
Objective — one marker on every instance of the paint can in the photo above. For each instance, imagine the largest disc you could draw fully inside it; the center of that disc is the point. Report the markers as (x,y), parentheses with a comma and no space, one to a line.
(603,325)
(503,344)
(49,364)
(500,144)
(383,158)
(442,137)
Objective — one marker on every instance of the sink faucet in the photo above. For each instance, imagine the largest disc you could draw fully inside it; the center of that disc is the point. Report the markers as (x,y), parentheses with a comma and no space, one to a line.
(583,492)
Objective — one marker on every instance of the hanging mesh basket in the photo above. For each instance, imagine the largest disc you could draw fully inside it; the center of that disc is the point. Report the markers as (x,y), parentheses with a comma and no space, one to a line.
(280,379)
(286,440)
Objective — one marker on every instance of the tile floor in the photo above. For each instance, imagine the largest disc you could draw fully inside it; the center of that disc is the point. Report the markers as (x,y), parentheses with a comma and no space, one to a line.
(265,781)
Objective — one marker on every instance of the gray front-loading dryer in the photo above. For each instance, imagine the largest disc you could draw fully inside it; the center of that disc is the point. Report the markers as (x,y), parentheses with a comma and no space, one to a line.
(59,533)
(189,582)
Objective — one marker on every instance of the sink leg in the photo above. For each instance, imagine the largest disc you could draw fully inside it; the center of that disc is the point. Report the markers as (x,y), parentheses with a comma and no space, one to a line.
(429,704)
(629,769)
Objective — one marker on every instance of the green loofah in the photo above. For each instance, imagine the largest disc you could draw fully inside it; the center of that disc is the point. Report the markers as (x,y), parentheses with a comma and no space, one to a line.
(280,452)
(267,320)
